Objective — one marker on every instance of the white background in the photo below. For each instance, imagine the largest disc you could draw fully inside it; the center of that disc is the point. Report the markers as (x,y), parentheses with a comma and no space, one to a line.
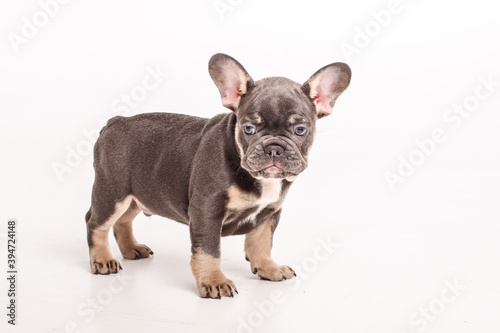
(396,249)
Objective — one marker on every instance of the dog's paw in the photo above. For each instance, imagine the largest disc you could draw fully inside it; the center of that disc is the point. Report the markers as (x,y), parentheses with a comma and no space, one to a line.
(216,286)
(138,251)
(268,270)
(105,266)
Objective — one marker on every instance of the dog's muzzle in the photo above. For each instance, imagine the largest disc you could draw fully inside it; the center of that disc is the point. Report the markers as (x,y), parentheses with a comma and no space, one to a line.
(274,157)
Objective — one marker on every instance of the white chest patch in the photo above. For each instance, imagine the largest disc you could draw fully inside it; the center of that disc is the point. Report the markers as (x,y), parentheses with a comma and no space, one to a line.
(239,200)
(271,190)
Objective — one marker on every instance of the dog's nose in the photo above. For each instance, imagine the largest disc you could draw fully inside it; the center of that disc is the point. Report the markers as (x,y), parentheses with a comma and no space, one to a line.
(274,150)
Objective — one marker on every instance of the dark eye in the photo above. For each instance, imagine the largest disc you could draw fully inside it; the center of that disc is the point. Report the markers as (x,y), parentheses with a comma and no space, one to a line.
(249,129)
(300,131)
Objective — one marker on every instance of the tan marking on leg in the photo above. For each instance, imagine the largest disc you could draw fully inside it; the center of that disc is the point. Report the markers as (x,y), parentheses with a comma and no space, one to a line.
(101,260)
(258,244)
(210,280)
(123,231)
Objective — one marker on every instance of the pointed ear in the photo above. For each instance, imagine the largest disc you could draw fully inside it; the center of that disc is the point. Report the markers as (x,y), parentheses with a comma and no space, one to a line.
(231,78)
(326,85)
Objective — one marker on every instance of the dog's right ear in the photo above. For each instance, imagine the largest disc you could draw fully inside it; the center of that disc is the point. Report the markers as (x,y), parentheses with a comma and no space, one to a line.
(231,78)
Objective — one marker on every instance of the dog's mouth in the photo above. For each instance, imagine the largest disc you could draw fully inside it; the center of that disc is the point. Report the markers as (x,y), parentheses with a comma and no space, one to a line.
(272,171)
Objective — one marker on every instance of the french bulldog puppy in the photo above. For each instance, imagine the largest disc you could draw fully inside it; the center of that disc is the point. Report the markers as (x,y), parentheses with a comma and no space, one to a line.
(222,176)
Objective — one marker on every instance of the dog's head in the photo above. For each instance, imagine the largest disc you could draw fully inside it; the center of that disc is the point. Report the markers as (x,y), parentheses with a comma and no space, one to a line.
(276,116)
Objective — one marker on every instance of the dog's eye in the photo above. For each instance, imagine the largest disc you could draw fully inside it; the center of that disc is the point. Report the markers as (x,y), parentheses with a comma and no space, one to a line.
(249,129)
(300,131)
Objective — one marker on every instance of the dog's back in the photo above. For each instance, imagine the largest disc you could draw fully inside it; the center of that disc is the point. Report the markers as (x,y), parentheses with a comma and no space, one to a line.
(133,153)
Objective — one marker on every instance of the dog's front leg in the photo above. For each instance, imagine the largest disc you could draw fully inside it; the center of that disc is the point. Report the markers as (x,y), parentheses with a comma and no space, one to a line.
(258,244)
(205,261)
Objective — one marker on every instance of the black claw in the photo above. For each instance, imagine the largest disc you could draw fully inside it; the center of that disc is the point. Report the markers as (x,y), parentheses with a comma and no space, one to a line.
(255,270)
(284,277)
(247,259)
(136,254)
(230,290)
(218,292)
(120,267)
(236,291)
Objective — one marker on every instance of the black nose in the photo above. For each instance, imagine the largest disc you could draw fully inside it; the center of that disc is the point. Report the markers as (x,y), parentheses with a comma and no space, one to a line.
(274,150)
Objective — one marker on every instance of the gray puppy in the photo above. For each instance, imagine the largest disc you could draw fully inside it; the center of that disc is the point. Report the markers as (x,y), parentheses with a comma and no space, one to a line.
(222,176)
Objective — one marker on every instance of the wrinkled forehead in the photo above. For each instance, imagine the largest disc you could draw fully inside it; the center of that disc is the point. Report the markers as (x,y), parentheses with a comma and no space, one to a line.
(276,99)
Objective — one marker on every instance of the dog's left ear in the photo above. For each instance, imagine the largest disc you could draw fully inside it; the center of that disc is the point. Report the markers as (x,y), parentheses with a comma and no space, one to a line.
(326,85)
(231,78)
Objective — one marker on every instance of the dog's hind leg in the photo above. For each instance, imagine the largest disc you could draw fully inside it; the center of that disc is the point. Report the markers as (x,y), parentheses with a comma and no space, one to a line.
(129,247)
(101,218)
